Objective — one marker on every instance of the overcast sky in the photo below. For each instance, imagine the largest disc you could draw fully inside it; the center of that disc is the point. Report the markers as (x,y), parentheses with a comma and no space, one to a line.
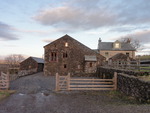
(26,26)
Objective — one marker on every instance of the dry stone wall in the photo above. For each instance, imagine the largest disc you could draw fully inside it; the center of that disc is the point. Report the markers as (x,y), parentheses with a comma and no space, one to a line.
(128,83)
(105,72)
(132,86)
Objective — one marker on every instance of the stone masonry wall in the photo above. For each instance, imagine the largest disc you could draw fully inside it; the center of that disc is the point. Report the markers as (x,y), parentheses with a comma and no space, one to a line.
(103,72)
(74,63)
(28,64)
(132,86)
(128,83)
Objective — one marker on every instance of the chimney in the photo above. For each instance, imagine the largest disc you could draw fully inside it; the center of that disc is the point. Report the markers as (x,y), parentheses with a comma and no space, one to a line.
(99,41)
(128,40)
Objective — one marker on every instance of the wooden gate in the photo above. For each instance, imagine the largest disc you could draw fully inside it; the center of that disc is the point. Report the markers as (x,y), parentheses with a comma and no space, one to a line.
(71,83)
(4,81)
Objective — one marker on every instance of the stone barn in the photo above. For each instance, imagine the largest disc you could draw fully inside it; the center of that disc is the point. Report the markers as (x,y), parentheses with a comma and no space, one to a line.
(32,63)
(67,55)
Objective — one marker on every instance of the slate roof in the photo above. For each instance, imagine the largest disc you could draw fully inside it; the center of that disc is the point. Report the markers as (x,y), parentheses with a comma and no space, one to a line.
(109,46)
(90,58)
(121,56)
(38,60)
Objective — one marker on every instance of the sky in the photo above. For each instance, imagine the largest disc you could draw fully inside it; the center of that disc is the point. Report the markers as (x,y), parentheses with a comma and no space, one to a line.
(28,25)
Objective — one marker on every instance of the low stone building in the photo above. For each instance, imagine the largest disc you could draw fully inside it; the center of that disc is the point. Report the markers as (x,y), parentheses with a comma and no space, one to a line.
(32,63)
(67,55)
(120,59)
(109,49)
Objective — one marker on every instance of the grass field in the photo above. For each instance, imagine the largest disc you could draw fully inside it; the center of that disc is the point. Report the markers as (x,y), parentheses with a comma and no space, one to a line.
(4,94)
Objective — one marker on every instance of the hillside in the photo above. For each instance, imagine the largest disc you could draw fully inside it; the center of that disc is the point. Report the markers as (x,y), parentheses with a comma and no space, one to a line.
(144,57)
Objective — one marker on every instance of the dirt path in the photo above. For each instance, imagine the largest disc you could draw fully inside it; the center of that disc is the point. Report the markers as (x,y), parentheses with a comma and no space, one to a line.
(35,94)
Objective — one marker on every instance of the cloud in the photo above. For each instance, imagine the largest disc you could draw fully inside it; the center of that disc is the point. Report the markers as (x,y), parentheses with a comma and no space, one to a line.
(6,32)
(9,45)
(143,36)
(36,32)
(134,12)
(123,29)
(40,32)
(48,40)
(74,18)
(77,15)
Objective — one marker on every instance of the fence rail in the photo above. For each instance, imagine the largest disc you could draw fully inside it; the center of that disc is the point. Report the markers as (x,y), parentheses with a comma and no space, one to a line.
(128,66)
(5,78)
(4,81)
(71,83)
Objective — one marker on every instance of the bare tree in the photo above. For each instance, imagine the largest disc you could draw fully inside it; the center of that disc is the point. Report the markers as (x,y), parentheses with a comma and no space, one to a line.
(134,42)
(14,60)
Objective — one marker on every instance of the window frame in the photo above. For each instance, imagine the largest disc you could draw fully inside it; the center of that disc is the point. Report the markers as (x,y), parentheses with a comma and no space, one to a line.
(53,56)
(65,54)
(117,45)
(65,66)
(128,54)
(106,54)
(90,64)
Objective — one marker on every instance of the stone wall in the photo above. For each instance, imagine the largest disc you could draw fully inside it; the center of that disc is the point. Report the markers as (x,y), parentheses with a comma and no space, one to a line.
(132,86)
(28,64)
(105,72)
(90,67)
(128,83)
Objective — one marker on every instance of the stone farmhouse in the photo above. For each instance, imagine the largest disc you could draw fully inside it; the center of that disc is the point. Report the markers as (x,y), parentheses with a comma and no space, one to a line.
(109,49)
(67,55)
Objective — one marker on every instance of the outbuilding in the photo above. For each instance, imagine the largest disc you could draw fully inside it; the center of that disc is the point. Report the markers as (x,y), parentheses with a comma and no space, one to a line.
(32,63)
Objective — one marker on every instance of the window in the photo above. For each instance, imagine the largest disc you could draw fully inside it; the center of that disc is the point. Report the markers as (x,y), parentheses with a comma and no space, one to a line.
(91,64)
(127,54)
(66,44)
(65,65)
(53,56)
(106,54)
(29,66)
(65,55)
(79,67)
(117,45)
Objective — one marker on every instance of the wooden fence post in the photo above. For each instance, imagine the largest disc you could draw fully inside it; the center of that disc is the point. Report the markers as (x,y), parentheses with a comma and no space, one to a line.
(68,81)
(0,81)
(115,80)
(57,82)
(8,80)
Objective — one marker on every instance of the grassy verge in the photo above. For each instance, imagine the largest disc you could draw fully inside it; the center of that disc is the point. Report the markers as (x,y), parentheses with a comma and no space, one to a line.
(122,97)
(6,93)
(145,78)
